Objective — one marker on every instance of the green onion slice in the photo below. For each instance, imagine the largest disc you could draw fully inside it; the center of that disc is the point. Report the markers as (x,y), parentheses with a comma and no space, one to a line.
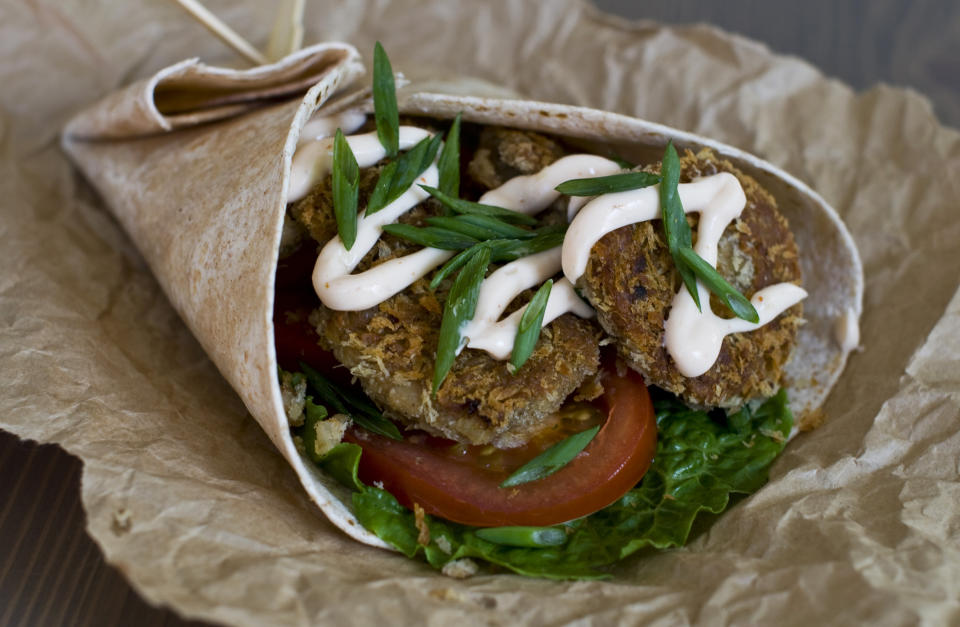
(398,175)
(622,182)
(511,249)
(354,404)
(552,459)
(675,220)
(449,162)
(456,262)
(528,332)
(467,207)
(480,227)
(385,102)
(528,537)
(503,250)
(432,236)
(714,282)
(346,181)
(379,196)
(457,311)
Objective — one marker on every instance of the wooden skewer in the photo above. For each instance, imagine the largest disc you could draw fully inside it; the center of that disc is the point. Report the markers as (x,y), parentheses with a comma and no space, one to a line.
(226,34)
(287,34)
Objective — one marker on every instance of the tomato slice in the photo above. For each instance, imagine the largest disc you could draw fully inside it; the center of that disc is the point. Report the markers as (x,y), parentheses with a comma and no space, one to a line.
(462,483)
(294,336)
(611,464)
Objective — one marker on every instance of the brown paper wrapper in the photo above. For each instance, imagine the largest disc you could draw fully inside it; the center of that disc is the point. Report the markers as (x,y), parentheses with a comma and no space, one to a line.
(186,495)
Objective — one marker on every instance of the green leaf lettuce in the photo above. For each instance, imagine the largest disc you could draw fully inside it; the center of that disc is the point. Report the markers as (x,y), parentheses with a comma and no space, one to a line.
(700,461)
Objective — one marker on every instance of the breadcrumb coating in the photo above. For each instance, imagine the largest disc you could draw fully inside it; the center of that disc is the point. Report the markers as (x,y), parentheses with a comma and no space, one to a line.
(391,348)
(631,281)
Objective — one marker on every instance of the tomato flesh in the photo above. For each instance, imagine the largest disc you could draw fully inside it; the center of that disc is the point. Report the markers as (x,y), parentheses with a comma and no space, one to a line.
(295,338)
(616,459)
(460,483)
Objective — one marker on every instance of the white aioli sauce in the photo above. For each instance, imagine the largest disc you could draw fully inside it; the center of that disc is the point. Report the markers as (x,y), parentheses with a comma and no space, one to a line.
(534,193)
(487,332)
(529,194)
(332,278)
(314,155)
(693,338)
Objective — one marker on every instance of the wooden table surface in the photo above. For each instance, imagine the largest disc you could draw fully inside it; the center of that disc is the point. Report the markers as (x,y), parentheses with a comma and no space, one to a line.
(51,572)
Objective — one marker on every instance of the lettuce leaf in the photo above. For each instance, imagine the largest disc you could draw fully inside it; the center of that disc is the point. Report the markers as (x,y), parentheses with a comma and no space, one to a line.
(700,461)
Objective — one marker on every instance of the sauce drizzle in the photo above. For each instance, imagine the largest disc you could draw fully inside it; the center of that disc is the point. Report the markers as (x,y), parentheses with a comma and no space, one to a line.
(693,338)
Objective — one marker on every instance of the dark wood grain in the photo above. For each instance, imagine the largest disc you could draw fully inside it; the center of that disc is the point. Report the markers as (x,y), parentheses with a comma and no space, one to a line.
(51,572)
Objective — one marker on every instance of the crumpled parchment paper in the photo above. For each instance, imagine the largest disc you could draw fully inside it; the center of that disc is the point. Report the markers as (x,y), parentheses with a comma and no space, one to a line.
(189,499)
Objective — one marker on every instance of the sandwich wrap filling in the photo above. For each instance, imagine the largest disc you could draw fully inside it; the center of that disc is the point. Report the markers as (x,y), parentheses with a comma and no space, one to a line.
(195,164)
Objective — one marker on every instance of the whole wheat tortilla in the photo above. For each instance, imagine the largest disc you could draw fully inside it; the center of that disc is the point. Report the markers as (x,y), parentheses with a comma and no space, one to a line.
(195,163)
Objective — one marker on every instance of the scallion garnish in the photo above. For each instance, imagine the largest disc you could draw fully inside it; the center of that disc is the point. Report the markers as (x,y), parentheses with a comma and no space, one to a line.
(449,162)
(456,262)
(511,249)
(481,227)
(552,459)
(675,219)
(467,207)
(504,250)
(346,401)
(529,329)
(378,197)
(528,537)
(324,389)
(432,236)
(457,311)
(398,175)
(385,102)
(346,181)
(736,301)
(622,182)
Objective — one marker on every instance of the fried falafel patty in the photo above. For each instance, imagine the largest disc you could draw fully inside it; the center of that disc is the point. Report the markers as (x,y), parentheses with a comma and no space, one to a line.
(391,348)
(503,153)
(631,281)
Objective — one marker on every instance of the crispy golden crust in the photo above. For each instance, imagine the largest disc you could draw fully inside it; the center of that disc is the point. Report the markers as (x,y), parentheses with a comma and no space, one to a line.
(315,210)
(504,153)
(391,350)
(631,281)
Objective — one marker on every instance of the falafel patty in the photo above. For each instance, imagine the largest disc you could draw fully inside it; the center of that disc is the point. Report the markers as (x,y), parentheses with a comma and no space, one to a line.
(631,281)
(503,153)
(391,348)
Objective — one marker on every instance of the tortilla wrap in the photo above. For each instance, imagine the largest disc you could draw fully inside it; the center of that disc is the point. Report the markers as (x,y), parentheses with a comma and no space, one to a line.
(195,160)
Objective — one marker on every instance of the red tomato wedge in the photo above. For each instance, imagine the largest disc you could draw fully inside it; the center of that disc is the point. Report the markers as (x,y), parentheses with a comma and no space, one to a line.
(444,486)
